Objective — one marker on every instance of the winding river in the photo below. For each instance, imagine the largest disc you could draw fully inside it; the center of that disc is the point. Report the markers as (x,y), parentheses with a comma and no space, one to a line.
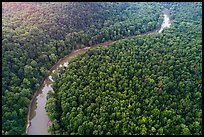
(37,119)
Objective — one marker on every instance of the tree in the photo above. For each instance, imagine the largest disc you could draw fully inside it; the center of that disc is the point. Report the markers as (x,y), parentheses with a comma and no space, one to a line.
(28,70)
(185,131)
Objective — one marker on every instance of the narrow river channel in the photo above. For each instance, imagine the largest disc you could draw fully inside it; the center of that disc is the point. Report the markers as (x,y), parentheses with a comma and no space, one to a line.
(166,22)
(37,119)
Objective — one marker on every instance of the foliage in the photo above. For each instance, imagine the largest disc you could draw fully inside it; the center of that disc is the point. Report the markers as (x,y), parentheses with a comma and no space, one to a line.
(148,85)
(35,35)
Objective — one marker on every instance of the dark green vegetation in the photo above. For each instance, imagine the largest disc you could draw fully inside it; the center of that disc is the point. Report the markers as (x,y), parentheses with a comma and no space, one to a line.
(147,85)
(36,35)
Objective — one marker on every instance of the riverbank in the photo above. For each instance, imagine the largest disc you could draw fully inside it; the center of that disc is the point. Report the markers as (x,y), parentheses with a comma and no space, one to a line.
(62,61)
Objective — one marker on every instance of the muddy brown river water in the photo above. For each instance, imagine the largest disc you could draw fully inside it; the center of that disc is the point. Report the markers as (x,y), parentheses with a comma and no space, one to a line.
(37,118)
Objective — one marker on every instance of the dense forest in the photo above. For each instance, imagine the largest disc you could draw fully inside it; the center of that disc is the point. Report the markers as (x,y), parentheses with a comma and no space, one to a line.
(149,84)
(35,35)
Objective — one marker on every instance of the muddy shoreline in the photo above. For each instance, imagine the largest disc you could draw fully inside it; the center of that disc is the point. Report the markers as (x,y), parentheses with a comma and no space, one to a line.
(73,53)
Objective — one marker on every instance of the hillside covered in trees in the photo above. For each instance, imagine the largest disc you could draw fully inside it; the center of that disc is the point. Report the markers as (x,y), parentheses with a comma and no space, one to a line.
(147,85)
(35,35)
(150,84)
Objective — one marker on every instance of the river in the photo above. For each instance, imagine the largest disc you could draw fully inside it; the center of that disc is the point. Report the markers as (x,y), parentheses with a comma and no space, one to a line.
(37,118)
(166,23)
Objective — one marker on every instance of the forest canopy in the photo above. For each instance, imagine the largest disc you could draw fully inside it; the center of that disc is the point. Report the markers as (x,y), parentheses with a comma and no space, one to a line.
(148,84)
(37,34)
